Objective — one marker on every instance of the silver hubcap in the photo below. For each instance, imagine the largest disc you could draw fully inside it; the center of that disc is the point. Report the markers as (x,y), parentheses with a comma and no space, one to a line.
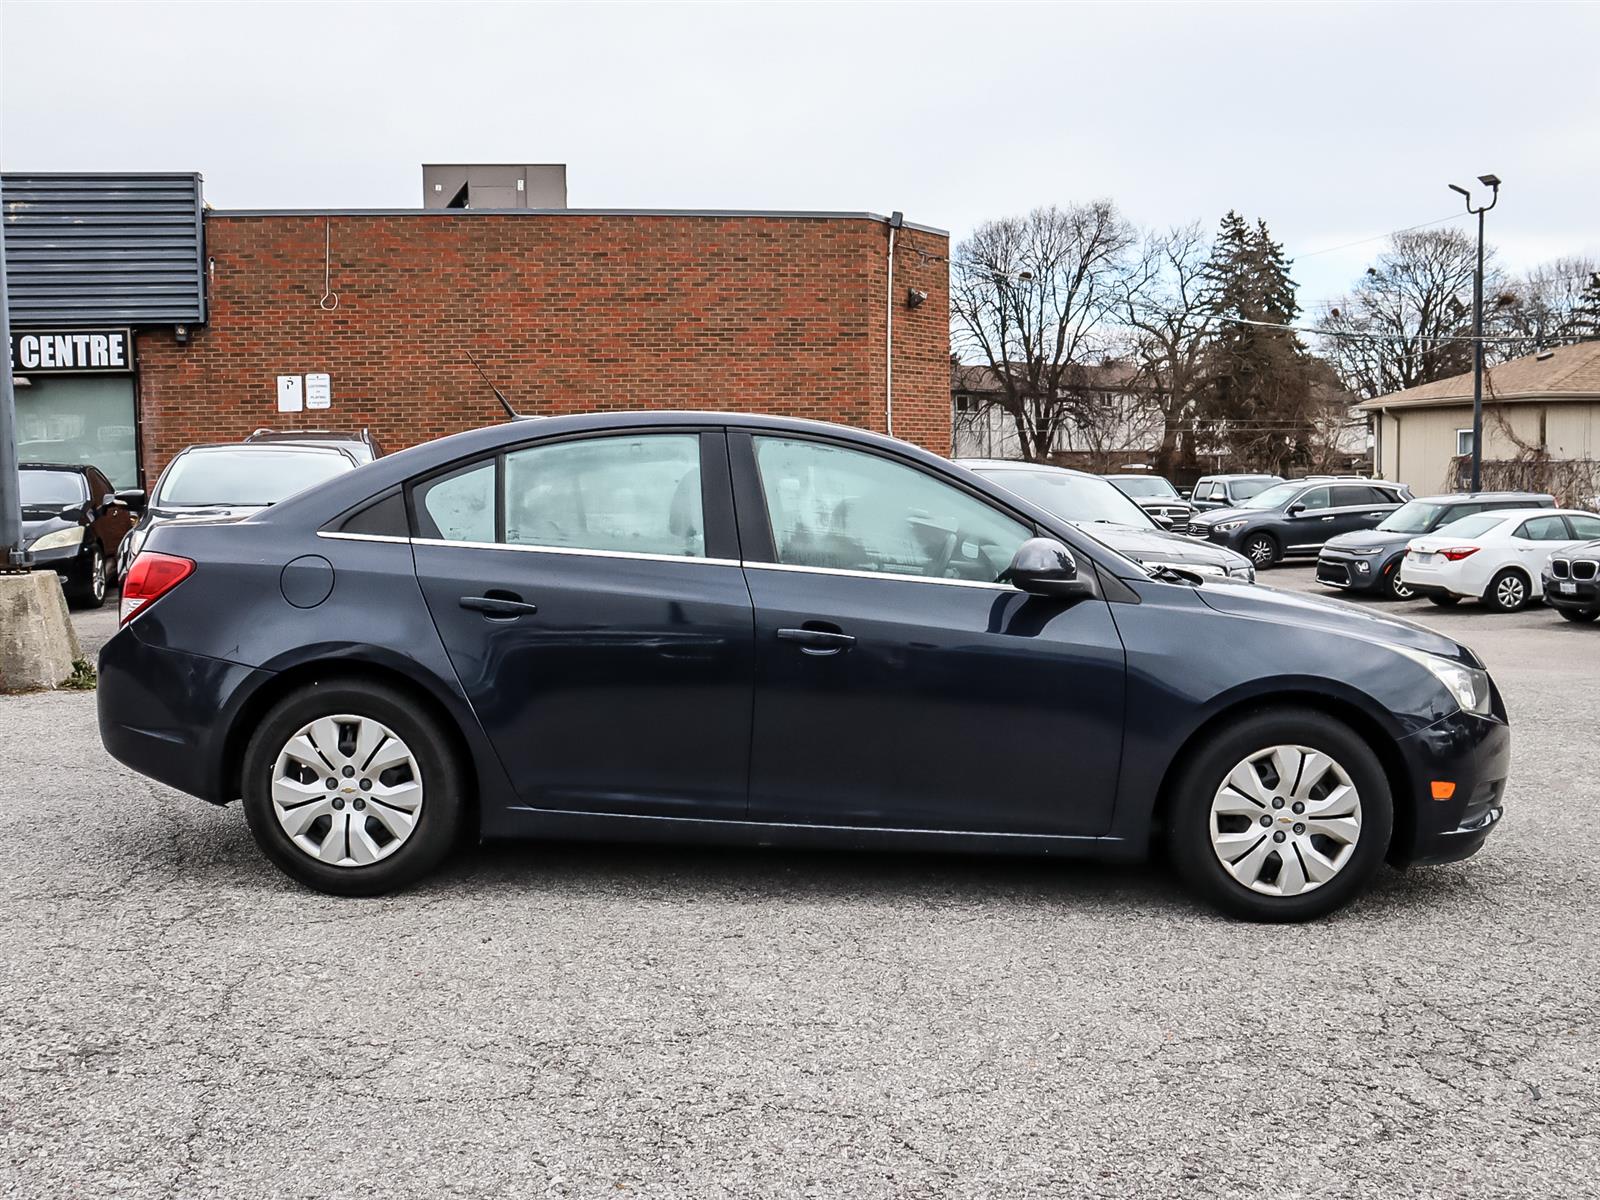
(1401,590)
(347,790)
(97,576)
(1260,553)
(1285,820)
(1510,592)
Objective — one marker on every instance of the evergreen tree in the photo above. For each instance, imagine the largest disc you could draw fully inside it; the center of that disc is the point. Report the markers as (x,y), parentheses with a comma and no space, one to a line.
(1585,321)
(1258,403)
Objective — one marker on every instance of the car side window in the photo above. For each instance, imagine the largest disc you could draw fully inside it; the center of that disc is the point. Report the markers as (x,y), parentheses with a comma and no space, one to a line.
(1543,529)
(1352,495)
(1584,527)
(1313,498)
(458,507)
(637,494)
(845,509)
(1465,510)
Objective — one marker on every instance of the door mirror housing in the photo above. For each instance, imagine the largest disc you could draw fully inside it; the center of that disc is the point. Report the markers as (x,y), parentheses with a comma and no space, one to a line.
(71,512)
(132,497)
(1045,567)
(1294,510)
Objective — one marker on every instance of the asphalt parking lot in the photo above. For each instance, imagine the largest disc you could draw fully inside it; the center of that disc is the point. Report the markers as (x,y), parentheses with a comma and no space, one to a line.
(181,1021)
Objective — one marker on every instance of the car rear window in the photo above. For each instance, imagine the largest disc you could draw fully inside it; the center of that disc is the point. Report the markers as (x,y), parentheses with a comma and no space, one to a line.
(1472,526)
(246,477)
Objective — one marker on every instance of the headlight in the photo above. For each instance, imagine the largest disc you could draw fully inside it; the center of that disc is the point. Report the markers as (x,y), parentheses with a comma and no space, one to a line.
(61,537)
(1227,526)
(1192,568)
(1247,572)
(1468,685)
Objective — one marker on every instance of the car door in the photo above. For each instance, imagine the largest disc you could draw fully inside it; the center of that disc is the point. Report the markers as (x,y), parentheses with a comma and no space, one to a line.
(109,517)
(1309,520)
(1360,506)
(897,684)
(588,592)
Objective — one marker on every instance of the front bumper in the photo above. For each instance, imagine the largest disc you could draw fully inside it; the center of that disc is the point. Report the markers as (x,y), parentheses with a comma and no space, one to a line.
(1584,594)
(1232,539)
(165,712)
(63,559)
(1470,754)
(1354,572)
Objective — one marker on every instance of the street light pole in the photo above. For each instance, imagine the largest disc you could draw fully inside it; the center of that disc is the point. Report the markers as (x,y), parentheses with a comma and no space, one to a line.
(1493,183)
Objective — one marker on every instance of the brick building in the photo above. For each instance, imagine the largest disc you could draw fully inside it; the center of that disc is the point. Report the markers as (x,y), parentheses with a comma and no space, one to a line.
(567,310)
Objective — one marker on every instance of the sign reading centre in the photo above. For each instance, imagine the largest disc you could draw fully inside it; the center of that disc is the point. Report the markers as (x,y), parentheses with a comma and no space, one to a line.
(72,351)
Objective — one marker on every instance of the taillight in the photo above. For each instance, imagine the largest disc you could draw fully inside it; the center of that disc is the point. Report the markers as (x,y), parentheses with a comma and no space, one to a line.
(151,576)
(1457,553)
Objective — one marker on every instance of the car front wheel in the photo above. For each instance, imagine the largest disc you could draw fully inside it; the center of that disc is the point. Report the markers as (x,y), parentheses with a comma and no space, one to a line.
(351,788)
(88,587)
(1261,550)
(1580,615)
(1397,588)
(1283,816)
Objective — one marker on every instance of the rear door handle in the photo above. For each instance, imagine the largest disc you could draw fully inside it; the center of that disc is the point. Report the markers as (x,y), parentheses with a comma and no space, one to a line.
(817,641)
(499,606)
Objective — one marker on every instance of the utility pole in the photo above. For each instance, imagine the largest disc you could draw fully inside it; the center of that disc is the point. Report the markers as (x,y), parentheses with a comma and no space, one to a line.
(13,555)
(1493,183)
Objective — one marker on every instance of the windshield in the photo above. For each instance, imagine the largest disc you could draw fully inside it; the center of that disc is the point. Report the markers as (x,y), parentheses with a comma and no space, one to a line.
(1412,517)
(1469,527)
(1243,489)
(1272,497)
(52,489)
(1081,499)
(225,476)
(1142,488)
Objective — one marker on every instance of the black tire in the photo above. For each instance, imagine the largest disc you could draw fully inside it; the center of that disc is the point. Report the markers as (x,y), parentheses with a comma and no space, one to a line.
(1579,615)
(1508,592)
(442,778)
(87,588)
(1443,601)
(1200,777)
(1262,550)
(1394,588)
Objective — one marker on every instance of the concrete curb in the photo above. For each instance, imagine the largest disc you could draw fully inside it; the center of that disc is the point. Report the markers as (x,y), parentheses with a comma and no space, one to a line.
(37,642)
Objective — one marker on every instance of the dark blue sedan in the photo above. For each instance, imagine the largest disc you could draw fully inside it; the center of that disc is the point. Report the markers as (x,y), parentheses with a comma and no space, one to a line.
(712,627)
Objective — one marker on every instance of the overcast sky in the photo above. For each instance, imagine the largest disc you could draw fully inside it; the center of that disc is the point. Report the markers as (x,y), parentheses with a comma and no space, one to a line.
(1334,122)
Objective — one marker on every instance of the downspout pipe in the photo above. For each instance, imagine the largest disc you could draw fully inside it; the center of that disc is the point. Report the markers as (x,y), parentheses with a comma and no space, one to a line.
(896,221)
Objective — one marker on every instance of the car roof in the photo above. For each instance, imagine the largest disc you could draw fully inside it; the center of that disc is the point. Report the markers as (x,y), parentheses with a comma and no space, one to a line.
(1133,475)
(1470,497)
(1244,475)
(269,448)
(76,468)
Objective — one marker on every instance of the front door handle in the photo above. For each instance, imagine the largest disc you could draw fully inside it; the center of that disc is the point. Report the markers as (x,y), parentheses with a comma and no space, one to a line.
(1327,518)
(817,641)
(499,606)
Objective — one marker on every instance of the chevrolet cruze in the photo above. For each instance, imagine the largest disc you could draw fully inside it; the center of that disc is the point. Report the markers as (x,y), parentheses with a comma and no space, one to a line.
(712,627)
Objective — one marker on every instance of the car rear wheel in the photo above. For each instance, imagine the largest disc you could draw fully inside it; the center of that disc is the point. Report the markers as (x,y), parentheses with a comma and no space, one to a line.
(351,789)
(1444,599)
(1581,615)
(1282,816)
(1508,591)
(88,587)
(1395,587)
(1261,550)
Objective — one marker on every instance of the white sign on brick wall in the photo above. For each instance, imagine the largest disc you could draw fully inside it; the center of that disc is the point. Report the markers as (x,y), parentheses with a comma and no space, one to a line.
(290,398)
(319,391)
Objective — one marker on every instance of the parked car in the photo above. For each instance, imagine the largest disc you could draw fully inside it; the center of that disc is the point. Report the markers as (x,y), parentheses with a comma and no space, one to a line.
(229,481)
(1228,491)
(1369,561)
(73,522)
(1158,497)
(689,626)
(1496,557)
(1095,505)
(1570,582)
(361,446)
(1297,518)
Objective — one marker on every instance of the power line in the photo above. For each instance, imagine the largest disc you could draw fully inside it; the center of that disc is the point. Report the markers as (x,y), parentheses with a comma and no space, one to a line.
(1380,236)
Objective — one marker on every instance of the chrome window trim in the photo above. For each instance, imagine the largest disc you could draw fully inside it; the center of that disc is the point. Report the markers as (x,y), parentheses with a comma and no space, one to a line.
(890,575)
(672,558)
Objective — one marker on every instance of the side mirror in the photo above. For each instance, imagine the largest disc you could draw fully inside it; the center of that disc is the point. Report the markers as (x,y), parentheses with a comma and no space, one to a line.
(72,512)
(132,497)
(1294,510)
(108,500)
(1044,567)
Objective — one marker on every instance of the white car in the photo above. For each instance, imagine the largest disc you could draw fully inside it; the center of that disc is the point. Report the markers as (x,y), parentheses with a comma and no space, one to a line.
(1497,557)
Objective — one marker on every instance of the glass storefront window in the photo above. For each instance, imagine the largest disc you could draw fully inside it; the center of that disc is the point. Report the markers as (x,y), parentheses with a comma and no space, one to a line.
(80,419)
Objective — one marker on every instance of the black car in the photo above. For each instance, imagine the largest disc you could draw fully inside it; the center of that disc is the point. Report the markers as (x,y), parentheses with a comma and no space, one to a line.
(1297,518)
(1093,504)
(361,446)
(1228,491)
(718,627)
(1572,582)
(1369,561)
(73,522)
(1158,497)
(229,481)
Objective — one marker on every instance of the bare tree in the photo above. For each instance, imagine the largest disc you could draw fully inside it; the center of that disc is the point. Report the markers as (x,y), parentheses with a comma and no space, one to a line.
(1036,298)
(1542,307)
(1406,322)
(1170,318)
